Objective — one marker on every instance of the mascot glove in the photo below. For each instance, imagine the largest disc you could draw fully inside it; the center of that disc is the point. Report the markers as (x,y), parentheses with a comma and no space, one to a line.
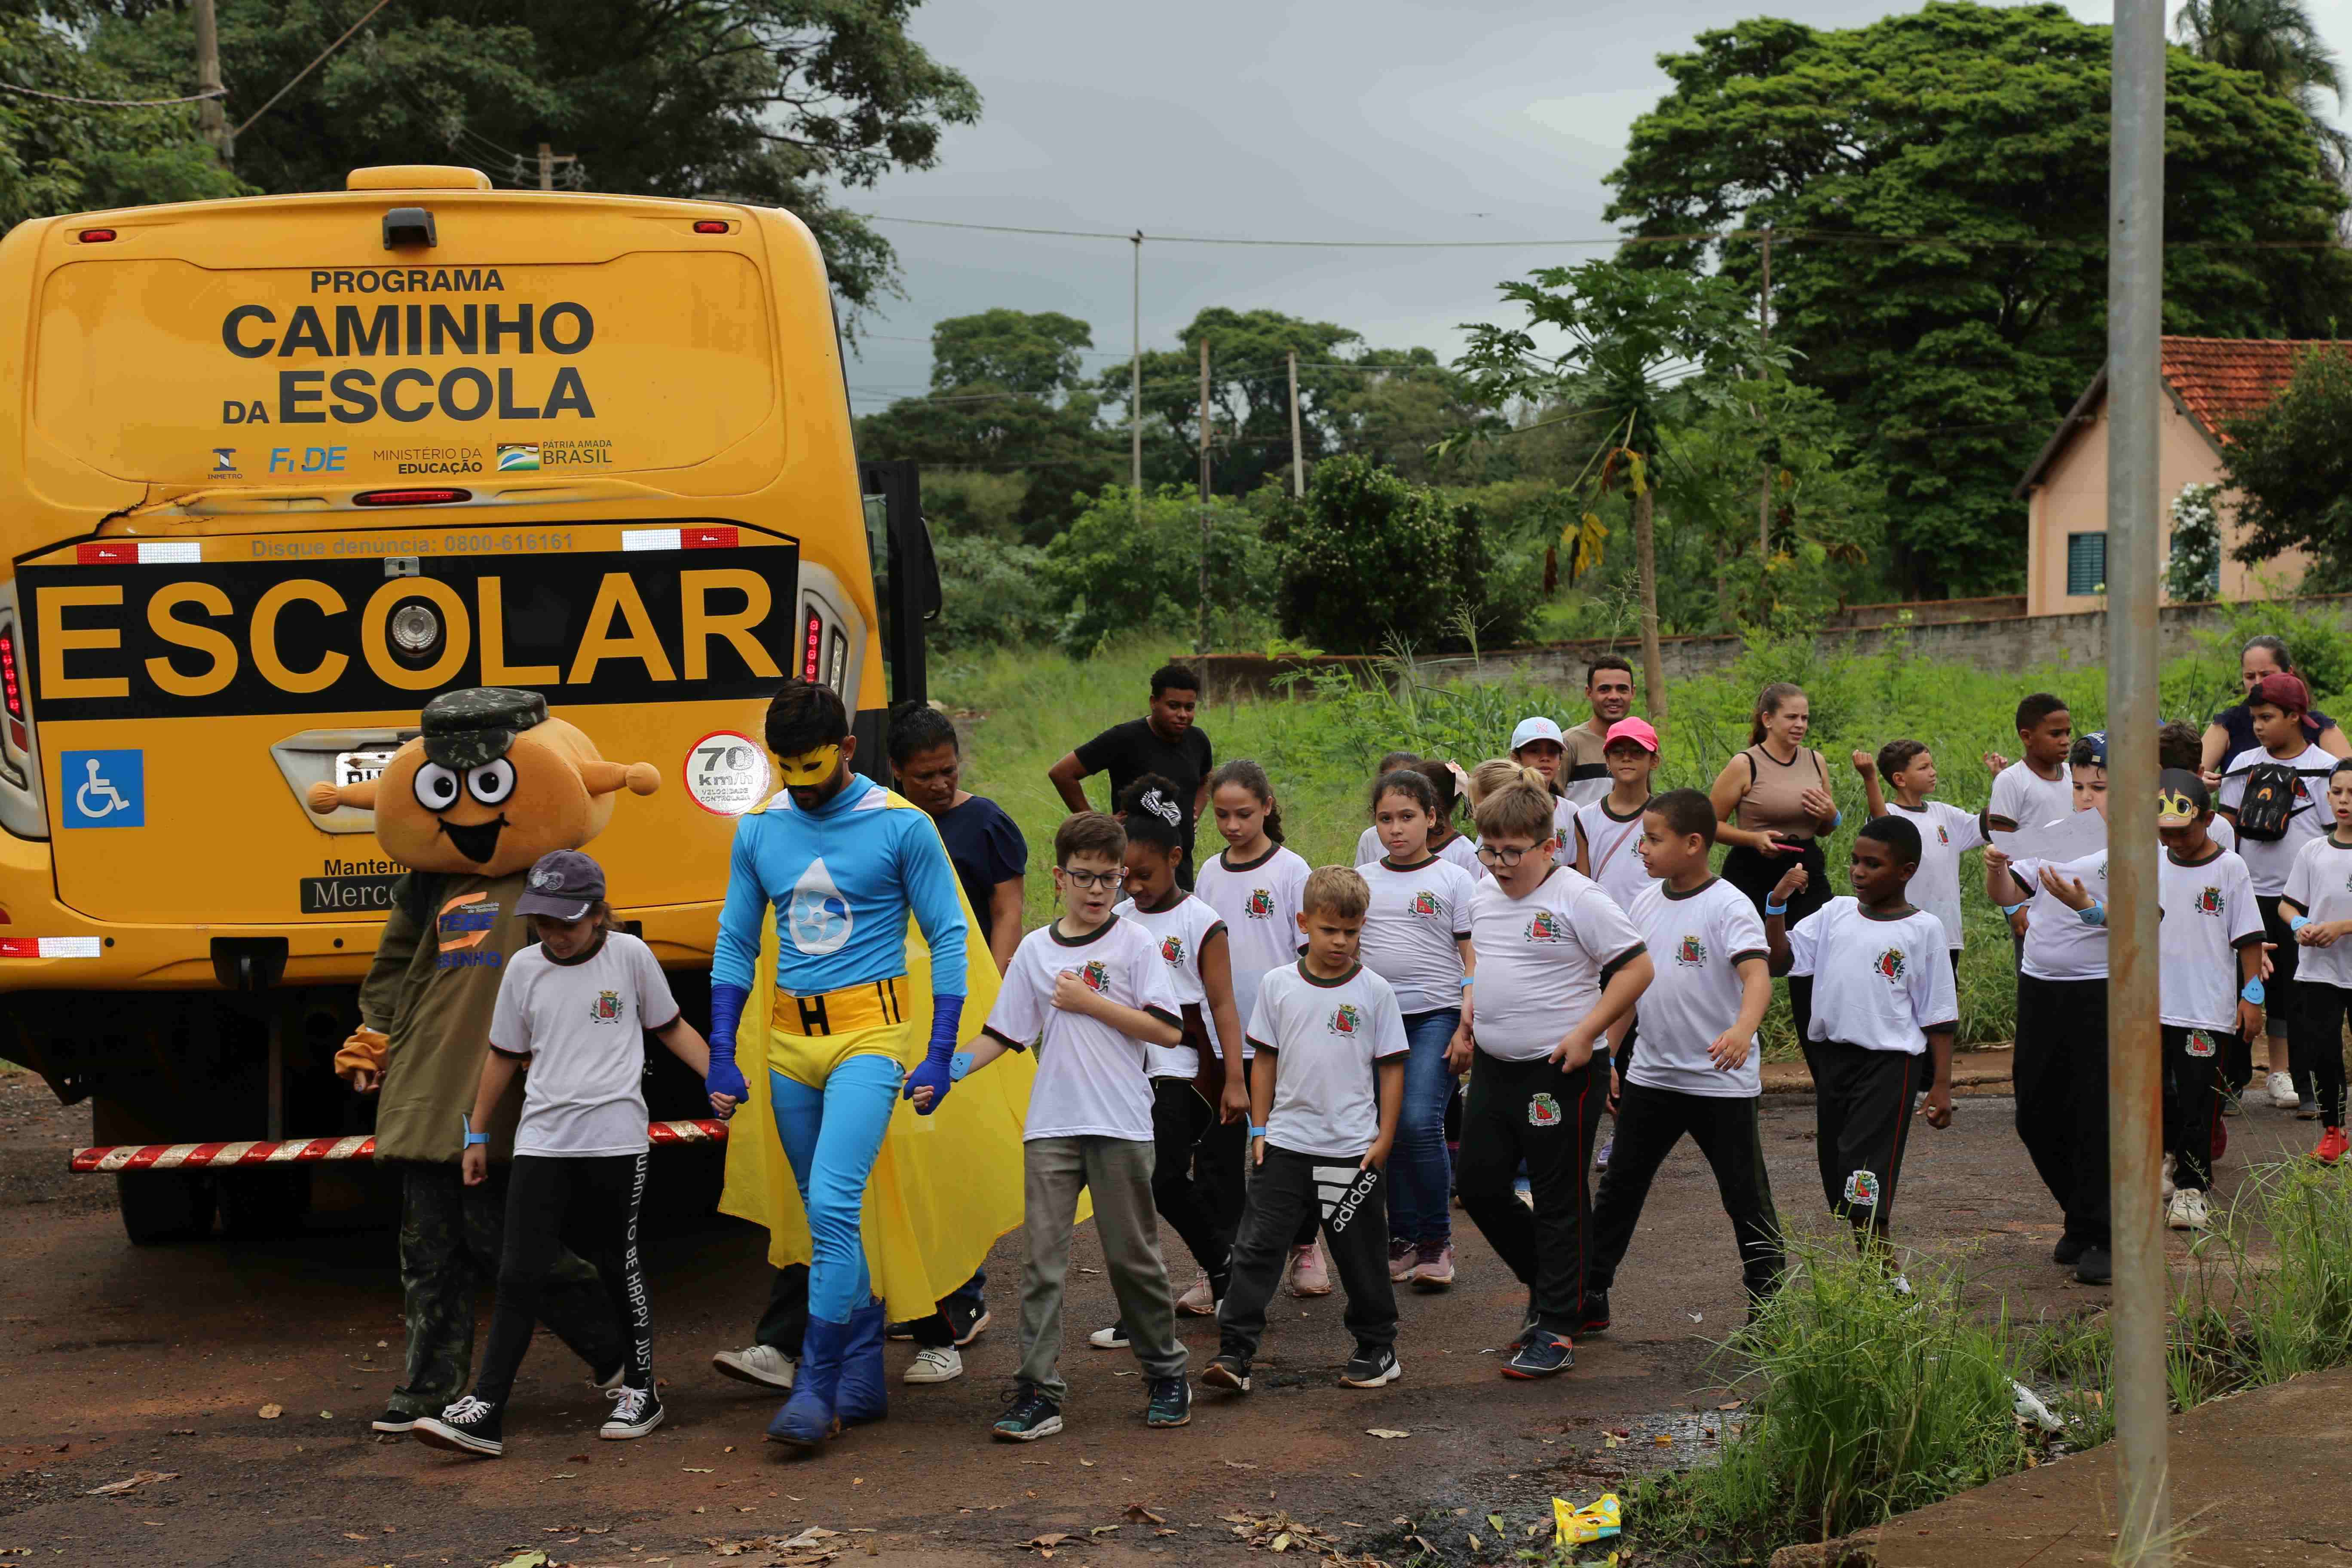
(725,1013)
(936,1069)
(363,1052)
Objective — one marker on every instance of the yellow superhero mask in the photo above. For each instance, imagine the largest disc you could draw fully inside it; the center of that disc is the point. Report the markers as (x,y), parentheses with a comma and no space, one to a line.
(808,769)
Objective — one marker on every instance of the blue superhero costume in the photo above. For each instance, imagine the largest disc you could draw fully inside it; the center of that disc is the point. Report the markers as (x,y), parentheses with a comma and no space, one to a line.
(842,880)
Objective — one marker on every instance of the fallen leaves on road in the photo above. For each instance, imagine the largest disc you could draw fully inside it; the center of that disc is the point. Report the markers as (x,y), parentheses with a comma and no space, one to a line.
(143,1479)
(1239,1465)
(802,1550)
(1043,1545)
(271,1411)
(1280,1532)
(527,1559)
(1139,1514)
(1385,1432)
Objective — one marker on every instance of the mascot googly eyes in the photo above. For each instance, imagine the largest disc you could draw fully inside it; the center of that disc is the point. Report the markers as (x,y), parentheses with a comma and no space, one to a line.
(491,784)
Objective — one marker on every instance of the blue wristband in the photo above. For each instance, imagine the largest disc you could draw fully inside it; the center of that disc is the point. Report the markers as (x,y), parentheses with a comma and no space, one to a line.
(1772,908)
(2299,922)
(2096,915)
(1468,981)
(472,1137)
(2252,992)
(1257,1132)
(1834,821)
(2012,909)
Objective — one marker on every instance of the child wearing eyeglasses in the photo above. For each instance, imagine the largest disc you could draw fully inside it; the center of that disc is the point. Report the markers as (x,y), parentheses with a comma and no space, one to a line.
(1093,993)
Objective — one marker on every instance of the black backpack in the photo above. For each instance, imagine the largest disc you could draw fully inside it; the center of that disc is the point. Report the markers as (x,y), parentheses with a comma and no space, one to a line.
(2274,794)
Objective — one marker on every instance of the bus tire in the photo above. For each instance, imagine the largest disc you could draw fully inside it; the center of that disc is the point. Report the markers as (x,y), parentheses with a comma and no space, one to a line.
(264,1203)
(163,1207)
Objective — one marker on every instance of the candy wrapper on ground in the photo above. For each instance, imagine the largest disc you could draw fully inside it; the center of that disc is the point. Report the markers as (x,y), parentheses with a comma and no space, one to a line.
(1593,1521)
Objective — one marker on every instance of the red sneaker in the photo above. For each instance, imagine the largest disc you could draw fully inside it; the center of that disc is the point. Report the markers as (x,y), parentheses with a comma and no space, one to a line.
(2333,1146)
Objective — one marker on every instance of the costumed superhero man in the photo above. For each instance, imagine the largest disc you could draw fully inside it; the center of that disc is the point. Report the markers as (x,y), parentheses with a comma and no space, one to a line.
(468,807)
(816,968)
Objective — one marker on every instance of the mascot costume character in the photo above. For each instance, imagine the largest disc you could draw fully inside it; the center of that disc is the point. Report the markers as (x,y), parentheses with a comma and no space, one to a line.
(468,807)
(850,966)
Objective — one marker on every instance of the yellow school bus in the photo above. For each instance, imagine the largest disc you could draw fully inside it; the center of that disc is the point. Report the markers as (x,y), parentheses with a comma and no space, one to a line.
(275,471)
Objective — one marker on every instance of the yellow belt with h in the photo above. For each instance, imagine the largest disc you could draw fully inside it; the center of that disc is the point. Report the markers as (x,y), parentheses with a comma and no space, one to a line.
(876,1005)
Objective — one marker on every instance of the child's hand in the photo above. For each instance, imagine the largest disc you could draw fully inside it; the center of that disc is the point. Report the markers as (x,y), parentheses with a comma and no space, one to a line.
(1865,764)
(1996,859)
(1574,1050)
(723,1106)
(2017,925)
(363,1080)
(2320,933)
(921,1097)
(1376,1158)
(1258,1151)
(1072,994)
(1940,1106)
(2250,1019)
(1458,1050)
(2268,967)
(1730,1051)
(476,1164)
(1233,1105)
(1792,881)
(2067,891)
(1994,762)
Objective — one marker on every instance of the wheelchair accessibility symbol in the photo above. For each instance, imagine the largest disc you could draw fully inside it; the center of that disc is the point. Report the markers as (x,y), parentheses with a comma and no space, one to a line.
(103,789)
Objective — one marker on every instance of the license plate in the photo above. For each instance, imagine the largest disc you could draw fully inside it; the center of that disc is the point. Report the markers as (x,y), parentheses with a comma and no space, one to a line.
(358,767)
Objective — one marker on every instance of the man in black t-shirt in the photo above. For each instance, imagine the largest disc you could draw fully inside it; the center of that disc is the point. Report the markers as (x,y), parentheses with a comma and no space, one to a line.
(1164,742)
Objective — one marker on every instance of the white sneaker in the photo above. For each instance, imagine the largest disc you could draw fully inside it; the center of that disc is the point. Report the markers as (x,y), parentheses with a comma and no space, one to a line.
(934,1363)
(2165,1195)
(2282,1093)
(763,1364)
(1197,1301)
(2187,1210)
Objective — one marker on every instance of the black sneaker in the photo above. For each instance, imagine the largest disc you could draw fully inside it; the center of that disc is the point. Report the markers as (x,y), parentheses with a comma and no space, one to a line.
(2095,1266)
(1033,1414)
(395,1421)
(905,1330)
(1545,1354)
(1372,1366)
(1596,1314)
(1526,1327)
(1172,1403)
(1227,1372)
(468,1427)
(635,1412)
(1111,1338)
(965,1321)
(2069,1248)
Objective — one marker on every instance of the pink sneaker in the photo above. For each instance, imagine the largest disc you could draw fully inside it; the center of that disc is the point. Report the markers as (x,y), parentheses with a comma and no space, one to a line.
(1196,1301)
(1432,1266)
(1403,1259)
(1308,1277)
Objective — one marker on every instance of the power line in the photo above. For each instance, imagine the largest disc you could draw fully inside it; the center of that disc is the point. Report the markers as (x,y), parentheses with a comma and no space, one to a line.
(305,71)
(209,92)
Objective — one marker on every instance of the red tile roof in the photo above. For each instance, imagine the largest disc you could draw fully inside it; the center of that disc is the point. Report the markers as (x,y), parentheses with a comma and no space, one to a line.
(2221,379)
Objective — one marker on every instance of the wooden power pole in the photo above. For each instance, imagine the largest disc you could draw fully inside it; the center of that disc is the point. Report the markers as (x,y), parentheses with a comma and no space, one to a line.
(1200,638)
(1764,324)
(212,121)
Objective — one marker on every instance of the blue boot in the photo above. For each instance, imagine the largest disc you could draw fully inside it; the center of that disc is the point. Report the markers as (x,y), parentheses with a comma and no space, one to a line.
(807,1418)
(863,1393)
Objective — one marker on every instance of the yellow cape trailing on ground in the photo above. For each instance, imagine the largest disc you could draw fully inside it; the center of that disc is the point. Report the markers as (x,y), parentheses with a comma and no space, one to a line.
(944,1187)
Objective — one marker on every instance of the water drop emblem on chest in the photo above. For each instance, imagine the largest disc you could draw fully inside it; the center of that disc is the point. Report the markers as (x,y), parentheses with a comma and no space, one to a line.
(818,918)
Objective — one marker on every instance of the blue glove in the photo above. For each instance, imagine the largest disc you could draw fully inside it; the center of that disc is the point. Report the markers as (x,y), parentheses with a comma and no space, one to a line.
(937,1069)
(725,1013)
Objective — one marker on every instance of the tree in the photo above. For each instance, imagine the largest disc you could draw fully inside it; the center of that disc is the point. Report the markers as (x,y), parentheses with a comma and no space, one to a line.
(1632,335)
(1249,395)
(2292,470)
(1032,352)
(773,101)
(1111,579)
(1951,358)
(2277,41)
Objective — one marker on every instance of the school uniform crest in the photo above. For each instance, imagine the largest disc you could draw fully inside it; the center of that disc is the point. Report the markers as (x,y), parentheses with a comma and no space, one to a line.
(1543,1110)
(1546,927)
(1890,964)
(1260,906)
(2200,1044)
(2210,901)
(1862,1189)
(1347,1018)
(1171,948)
(1425,904)
(607,1008)
(1096,976)
(1943,835)
(1690,952)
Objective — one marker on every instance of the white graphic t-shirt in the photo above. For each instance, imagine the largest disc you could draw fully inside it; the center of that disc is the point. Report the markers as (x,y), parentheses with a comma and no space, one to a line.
(2321,883)
(1181,930)
(1946,833)
(1328,1034)
(583,1024)
(1259,902)
(1541,959)
(1878,984)
(1696,942)
(1091,1080)
(2209,915)
(1411,931)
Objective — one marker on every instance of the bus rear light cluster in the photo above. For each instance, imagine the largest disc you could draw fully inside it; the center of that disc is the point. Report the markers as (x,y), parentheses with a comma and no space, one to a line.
(411,498)
(11,689)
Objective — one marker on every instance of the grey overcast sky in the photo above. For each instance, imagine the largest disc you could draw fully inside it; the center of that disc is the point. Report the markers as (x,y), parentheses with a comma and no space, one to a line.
(1315,119)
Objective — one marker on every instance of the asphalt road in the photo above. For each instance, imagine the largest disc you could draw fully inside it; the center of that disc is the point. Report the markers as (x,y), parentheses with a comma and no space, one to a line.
(123,1361)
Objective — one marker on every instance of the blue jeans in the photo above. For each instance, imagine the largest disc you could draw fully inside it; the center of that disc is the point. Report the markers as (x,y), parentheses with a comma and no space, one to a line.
(831,1136)
(1420,1175)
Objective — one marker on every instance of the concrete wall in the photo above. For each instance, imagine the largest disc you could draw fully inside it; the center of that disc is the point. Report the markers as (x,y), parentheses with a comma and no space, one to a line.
(2008,645)
(2073,498)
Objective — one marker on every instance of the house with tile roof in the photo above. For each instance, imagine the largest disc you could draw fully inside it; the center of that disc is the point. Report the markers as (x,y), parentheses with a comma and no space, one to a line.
(2208,382)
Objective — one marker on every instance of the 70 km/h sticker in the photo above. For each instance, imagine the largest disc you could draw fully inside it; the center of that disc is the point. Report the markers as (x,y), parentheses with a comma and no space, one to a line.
(727,774)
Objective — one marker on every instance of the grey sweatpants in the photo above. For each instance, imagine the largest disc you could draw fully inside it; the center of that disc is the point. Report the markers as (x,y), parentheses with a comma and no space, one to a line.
(1118,1172)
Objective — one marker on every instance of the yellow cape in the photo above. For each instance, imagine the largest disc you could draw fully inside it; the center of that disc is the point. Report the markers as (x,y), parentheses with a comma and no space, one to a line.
(944,1187)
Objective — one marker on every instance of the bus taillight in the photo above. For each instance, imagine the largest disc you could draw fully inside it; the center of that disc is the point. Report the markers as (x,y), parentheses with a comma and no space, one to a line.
(811,643)
(410,498)
(12,691)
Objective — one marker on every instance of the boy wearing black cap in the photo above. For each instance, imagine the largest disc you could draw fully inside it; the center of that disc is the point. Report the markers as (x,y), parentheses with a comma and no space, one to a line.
(2209,947)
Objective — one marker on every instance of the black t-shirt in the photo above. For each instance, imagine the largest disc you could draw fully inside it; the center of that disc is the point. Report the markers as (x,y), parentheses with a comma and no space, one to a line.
(2240,724)
(987,848)
(1127,751)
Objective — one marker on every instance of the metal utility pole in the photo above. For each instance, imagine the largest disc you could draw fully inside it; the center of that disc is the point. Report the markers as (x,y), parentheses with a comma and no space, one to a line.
(1200,638)
(1297,454)
(2135,1096)
(212,121)
(1764,325)
(1135,387)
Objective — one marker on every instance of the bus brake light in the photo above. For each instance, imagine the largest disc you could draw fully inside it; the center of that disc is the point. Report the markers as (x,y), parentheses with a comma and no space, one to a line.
(12,690)
(710,225)
(410,498)
(96,235)
(812,645)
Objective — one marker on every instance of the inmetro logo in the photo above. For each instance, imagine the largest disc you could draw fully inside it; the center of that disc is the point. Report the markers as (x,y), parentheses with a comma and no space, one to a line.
(319,635)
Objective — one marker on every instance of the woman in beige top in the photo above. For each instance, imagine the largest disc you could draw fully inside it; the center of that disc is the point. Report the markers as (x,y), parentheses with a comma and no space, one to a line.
(1774,802)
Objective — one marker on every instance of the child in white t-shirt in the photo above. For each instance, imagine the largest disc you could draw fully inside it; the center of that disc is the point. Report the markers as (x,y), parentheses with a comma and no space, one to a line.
(1558,966)
(2319,902)
(1946,832)
(1189,1082)
(1694,1065)
(1884,1015)
(2035,789)
(2210,948)
(1092,991)
(574,1011)
(1323,1112)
